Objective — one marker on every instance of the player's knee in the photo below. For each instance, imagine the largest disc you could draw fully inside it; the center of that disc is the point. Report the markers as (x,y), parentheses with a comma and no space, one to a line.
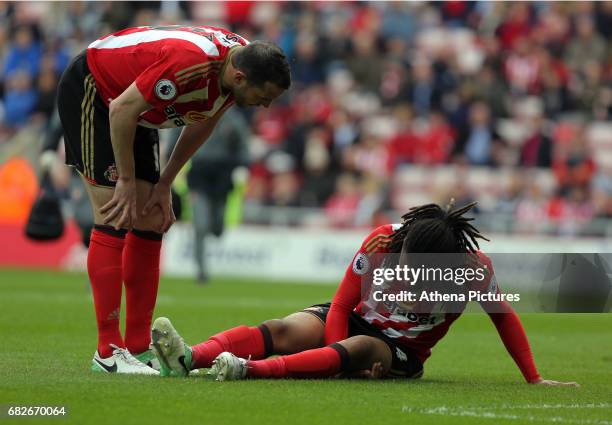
(360,344)
(361,350)
(280,332)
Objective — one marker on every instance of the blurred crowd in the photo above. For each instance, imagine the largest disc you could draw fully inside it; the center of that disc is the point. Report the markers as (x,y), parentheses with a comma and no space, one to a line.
(380,88)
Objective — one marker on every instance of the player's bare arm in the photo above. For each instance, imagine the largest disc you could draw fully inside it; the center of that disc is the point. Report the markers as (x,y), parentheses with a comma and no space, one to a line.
(190,140)
(123,113)
(512,334)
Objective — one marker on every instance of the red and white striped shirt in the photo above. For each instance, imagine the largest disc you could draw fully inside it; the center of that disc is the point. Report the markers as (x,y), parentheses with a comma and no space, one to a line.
(177,69)
(418,332)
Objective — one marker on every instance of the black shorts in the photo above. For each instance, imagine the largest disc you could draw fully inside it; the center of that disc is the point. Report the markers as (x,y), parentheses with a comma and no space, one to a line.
(87,138)
(404,363)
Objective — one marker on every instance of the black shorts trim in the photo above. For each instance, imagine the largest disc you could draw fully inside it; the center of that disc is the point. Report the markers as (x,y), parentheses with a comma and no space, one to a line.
(404,363)
(86,125)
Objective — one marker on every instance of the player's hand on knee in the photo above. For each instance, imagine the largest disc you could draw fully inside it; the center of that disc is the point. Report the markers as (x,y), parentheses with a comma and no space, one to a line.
(122,207)
(556,383)
(161,196)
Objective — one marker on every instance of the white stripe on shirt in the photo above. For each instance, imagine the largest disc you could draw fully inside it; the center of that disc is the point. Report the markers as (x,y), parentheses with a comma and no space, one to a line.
(132,39)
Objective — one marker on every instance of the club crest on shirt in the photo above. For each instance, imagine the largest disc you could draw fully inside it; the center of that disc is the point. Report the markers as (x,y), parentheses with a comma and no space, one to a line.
(165,89)
(361,264)
(111,173)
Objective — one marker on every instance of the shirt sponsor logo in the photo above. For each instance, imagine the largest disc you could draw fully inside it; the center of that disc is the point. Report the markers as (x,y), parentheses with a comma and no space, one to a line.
(165,89)
(174,116)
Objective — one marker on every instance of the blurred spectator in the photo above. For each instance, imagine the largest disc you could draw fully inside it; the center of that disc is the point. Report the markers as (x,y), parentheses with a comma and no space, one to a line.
(531,211)
(319,178)
(369,156)
(372,197)
(424,94)
(511,196)
(476,139)
(307,68)
(284,190)
(537,148)
(572,212)
(24,53)
(20,99)
(487,85)
(366,61)
(435,142)
(403,143)
(516,25)
(398,21)
(341,207)
(602,193)
(522,67)
(587,87)
(586,46)
(603,17)
(47,83)
(573,166)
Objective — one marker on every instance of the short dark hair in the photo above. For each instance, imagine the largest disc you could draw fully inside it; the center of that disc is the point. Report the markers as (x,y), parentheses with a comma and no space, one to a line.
(263,61)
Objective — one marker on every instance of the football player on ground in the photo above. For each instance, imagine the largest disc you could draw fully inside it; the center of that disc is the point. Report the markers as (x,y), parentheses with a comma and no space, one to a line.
(112,98)
(355,334)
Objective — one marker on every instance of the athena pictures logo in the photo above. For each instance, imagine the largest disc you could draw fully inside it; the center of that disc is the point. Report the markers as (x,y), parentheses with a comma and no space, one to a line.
(165,89)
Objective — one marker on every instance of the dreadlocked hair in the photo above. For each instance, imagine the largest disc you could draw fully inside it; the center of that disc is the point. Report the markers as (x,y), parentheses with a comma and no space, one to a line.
(432,229)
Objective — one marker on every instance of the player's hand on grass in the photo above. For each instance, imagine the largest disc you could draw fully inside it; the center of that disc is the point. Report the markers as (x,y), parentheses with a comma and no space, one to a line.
(122,207)
(161,196)
(376,372)
(556,383)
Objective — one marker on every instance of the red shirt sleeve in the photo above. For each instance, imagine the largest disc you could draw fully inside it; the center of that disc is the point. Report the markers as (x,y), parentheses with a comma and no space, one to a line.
(159,84)
(513,335)
(346,299)
(508,324)
(348,294)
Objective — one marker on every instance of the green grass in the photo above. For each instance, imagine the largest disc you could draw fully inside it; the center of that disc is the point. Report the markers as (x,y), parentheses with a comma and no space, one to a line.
(48,338)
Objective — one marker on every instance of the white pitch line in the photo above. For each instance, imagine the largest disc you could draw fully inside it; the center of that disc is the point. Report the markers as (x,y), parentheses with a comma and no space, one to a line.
(486,412)
(550,406)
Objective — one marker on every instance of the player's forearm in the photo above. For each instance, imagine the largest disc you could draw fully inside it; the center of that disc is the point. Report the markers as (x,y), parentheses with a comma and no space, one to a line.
(185,148)
(515,340)
(190,140)
(123,128)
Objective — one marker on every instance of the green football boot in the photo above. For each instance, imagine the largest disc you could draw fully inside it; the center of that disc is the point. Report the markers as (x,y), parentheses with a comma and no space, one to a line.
(170,349)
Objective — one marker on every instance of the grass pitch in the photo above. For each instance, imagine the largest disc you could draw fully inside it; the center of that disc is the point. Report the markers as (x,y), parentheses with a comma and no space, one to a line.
(48,338)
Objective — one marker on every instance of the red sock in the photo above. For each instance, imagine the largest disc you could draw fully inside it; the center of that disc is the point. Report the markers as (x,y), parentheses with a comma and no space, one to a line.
(141,276)
(104,269)
(243,341)
(318,363)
